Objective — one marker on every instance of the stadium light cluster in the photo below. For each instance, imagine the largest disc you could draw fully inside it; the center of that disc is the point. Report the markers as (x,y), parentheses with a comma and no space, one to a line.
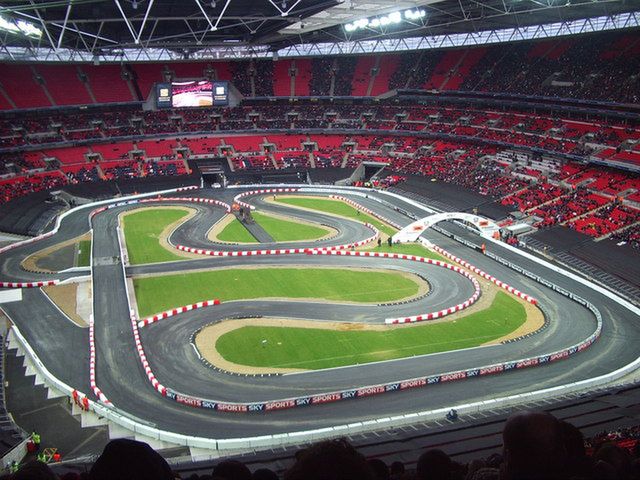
(389,19)
(20,26)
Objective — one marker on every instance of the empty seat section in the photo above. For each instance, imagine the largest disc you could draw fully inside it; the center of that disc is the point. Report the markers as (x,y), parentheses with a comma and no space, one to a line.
(388,65)
(64,85)
(107,83)
(362,76)
(303,77)
(245,144)
(200,146)
(68,155)
(287,142)
(157,148)
(146,76)
(19,83)
(112,151)
(281,78)
(222,71)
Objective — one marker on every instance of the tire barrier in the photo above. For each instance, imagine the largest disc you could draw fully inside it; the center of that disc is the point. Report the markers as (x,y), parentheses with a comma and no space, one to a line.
(175,311)
(92,365)
(143,358)
(425,316)
(46,283)
(365,210)
(483,274)
(237,198)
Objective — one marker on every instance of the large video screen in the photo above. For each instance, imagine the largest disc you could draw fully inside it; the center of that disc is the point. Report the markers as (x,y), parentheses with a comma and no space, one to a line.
(197,93)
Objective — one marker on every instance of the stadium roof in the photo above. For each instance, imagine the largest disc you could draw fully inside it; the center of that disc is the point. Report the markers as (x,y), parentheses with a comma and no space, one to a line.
(143,30)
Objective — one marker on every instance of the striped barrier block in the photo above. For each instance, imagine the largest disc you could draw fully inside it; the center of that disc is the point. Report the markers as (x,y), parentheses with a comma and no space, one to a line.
(425,316)
(46,283)
(485,275)
(281,251)
(155,383)
(92,365)
(365,209)
(208,201)
(175,311)
(237,198)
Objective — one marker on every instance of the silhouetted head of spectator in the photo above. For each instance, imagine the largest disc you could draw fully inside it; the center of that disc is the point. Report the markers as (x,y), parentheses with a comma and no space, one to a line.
(484,473)
(397,468)
(615,456)
(70,476)
(34,471)
(125,459)
(533,446)
(264,474)
(232,470)
(380,469)
(331,460)
(433,465)
(577,462)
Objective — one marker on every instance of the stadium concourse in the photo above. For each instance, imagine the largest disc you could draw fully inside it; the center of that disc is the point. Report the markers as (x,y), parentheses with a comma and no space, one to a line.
(536,142)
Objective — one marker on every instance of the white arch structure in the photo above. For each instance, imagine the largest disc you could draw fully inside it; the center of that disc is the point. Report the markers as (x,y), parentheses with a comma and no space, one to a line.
(411,232)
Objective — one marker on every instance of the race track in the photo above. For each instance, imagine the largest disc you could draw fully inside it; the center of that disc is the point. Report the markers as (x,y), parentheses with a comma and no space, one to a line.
(63,347)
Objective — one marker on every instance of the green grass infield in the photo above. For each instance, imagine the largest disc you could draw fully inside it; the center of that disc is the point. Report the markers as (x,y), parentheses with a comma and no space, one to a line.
(312,349)
(337,207)
(235,232)
(416,249)
(142,233)
(84,253)
(279,229)
(156,294)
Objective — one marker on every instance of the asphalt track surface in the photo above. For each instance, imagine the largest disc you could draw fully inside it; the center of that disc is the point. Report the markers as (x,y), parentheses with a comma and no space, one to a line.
(63,347)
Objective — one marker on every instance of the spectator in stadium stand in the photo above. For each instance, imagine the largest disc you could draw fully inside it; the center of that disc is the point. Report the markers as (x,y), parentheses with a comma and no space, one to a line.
(533,447)
(125,459)
(264,474)
(380,469)
(434,465)
(396,470)
(33,470)
(331,460)
(231,470)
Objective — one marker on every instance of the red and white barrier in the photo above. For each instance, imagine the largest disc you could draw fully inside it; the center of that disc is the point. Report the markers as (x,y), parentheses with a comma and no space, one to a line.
(281,251)
(143,358)
(175,311)
(237,198)
(365,209)
(190,187)
(399,256)
(46,283)
(92,365)
(209,201)
(240,253)
(483,274)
